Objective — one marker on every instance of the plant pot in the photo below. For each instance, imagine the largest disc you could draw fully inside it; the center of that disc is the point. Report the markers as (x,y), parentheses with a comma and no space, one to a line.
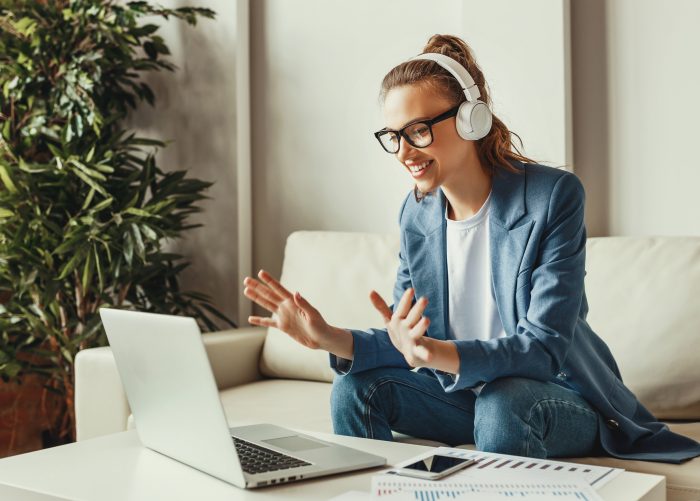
(23,414)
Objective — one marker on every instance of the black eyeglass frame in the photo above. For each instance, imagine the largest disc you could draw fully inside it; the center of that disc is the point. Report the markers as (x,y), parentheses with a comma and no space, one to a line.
(401,133)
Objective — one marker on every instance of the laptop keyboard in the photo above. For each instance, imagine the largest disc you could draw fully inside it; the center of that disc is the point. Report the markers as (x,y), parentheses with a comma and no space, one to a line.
(256,459)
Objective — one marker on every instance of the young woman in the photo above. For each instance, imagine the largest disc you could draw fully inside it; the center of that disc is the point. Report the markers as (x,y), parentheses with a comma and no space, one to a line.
(489,300)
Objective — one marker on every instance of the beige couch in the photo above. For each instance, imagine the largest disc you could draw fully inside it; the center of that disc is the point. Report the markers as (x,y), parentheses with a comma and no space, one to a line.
(643,293)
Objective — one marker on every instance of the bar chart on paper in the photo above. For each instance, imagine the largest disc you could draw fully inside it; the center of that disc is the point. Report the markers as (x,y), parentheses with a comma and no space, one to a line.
(391,487)
(506,465)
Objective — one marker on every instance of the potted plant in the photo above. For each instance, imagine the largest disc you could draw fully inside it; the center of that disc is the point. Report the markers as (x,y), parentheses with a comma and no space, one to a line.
(84,209)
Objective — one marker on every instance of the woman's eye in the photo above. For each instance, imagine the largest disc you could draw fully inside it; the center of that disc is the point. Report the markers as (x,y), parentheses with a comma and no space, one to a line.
(420,131)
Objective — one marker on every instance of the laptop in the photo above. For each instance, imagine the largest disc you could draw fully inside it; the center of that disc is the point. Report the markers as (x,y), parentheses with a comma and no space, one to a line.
(176,407)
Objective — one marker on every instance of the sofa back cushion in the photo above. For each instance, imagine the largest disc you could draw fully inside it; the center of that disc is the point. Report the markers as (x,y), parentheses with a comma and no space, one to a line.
(335,272)
(644,298)
(643,293)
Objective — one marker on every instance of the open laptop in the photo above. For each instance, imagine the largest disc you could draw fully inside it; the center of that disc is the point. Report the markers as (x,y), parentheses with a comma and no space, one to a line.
(175,403)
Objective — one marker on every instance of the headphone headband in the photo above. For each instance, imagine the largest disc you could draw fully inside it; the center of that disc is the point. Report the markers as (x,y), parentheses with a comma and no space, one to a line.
(465,80)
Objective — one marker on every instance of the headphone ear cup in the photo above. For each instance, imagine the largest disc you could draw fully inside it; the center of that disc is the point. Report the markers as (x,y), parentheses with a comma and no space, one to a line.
(473,120)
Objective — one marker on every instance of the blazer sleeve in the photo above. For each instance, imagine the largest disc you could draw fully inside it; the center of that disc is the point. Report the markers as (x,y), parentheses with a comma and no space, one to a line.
(544,335)
(373,348)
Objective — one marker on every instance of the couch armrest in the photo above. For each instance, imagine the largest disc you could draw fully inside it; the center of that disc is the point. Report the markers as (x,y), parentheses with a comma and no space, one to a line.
(100,402)
(101,406)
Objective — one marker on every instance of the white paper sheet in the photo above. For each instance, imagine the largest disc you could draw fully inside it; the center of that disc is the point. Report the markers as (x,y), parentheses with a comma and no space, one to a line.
(506,465)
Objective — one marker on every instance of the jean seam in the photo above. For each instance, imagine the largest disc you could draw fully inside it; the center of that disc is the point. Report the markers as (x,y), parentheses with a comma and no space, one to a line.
(375,386)
(548,400)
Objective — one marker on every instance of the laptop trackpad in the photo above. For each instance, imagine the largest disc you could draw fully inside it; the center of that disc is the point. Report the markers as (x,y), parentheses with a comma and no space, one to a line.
(295,443)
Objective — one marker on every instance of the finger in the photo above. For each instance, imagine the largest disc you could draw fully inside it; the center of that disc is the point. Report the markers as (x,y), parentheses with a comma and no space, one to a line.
(381,306)
(263,321)
(415,314)
(404,304)
(262,301)
(262,290)
(420,328)
(302,303)
(274,285)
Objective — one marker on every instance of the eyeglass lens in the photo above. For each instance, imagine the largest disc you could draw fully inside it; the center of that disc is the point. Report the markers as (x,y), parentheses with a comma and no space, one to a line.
(418,135)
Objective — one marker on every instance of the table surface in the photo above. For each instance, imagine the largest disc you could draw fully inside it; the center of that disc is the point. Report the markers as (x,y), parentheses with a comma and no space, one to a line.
(117,467)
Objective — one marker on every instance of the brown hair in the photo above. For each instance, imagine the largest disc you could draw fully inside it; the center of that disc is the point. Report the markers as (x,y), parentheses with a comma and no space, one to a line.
(497,149)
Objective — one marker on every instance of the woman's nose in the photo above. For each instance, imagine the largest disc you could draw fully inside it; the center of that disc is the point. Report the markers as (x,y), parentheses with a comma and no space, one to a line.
(405,150)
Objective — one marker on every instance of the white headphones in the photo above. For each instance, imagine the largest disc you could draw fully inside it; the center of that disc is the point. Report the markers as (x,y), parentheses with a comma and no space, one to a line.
(474,117)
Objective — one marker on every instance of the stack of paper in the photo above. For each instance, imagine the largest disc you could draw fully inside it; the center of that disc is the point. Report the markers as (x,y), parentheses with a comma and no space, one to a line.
(493,477)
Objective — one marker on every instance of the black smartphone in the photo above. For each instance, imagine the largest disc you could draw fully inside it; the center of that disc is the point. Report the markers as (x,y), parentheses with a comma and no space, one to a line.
(434,467)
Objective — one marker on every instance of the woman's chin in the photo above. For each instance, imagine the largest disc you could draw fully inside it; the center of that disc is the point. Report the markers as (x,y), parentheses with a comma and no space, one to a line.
(426,185)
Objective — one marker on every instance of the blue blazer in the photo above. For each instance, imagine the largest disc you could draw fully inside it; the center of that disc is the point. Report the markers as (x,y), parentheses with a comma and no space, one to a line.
(538,256)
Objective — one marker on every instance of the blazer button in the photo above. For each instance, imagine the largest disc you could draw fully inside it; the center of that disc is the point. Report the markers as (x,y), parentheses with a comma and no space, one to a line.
(561,375)
(612,424)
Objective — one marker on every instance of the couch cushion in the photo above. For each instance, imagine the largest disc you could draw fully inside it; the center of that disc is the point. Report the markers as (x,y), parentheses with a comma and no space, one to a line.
(335,271)
(643,297)
(292,404)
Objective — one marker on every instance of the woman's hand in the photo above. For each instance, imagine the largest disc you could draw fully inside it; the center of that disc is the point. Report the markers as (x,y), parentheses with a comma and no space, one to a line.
(406,327)
(293,315)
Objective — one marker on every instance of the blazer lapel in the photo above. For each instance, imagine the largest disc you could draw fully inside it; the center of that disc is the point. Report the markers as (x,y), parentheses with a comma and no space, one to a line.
(508,239)
(425,241)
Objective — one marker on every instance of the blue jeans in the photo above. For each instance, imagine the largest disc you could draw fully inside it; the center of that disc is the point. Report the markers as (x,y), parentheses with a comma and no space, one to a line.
(511,415)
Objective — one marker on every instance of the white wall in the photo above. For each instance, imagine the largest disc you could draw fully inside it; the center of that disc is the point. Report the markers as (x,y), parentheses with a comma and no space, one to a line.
(653,82)
(635,79)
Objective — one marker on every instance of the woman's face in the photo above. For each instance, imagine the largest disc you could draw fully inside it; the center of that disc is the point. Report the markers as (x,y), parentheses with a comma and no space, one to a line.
(442,161)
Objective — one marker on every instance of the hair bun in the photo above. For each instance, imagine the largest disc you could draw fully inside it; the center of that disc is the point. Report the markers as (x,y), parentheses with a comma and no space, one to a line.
(450,46)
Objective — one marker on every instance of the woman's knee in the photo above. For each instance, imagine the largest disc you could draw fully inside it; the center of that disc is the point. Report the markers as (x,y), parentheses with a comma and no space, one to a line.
(501,421)
(345,392)
(353,392)
(510,395)
(361,403)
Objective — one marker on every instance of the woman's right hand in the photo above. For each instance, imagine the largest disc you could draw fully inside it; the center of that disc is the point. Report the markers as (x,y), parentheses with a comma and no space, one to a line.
(291,313)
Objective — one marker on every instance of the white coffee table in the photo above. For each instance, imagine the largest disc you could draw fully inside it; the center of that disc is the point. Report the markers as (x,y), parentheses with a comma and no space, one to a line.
(117,467)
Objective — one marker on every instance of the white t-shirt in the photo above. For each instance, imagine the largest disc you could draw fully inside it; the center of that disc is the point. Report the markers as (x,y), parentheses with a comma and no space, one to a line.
(472,306)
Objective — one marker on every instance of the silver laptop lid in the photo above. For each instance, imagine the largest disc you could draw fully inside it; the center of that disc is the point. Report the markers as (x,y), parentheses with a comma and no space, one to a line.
(171,390)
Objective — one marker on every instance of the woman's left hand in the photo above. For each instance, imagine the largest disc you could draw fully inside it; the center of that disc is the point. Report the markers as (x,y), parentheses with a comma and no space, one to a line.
(406,326)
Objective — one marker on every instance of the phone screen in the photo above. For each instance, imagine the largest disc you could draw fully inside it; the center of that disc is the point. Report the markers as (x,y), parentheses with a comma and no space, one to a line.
(436,464)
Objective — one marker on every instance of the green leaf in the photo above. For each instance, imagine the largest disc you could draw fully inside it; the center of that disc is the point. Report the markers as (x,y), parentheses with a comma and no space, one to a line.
(98,267)
(87,170)
(103,204)
(90,182)
(140,248)
(6,180)
(128,248)
(148,231)
(70,266)
(88,199)
(87,272)
(137,212)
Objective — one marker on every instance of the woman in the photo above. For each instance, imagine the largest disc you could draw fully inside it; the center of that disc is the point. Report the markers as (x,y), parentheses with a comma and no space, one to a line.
(489,297)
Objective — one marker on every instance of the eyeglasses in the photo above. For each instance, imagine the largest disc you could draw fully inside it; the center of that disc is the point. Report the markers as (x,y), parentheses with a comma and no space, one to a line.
(417,134)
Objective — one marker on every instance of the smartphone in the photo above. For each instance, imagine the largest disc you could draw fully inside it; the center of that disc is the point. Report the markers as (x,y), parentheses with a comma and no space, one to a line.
(434,467)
